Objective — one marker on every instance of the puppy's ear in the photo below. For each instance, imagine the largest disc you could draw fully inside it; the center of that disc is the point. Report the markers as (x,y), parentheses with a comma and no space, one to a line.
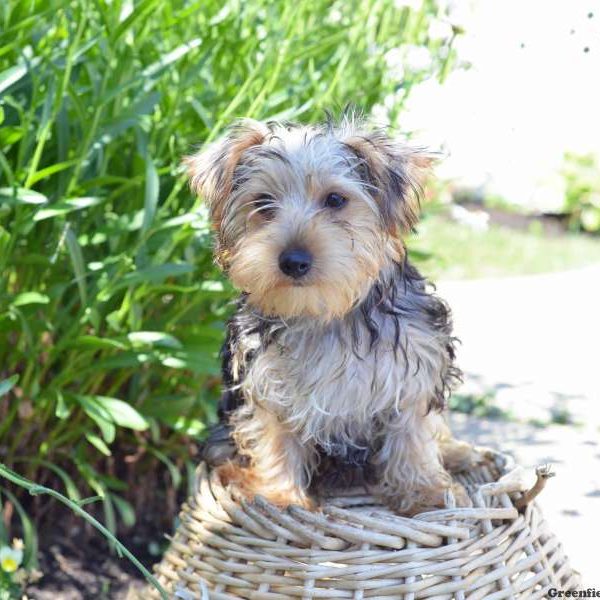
(395,174)
(212,169)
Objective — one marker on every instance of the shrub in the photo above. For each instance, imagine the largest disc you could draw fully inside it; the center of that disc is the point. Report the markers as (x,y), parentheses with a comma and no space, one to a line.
(582,202)
(111,310)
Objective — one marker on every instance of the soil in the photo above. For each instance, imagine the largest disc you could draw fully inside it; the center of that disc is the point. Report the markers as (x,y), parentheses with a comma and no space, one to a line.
(78,565)
(75,560)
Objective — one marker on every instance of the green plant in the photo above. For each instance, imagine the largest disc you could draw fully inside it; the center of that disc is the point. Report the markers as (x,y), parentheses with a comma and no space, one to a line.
(111,310)
(478,406)
(582,202)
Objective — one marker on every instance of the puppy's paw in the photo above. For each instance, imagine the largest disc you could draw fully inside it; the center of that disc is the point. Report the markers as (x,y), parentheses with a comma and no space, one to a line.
(246,482)
(460,456)
(414,502)
(287,498)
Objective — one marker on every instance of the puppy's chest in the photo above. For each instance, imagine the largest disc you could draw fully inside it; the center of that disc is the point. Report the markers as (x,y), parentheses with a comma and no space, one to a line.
(332,383)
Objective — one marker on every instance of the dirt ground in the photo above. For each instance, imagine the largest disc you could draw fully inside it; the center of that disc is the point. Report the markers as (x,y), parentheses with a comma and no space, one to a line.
(77,564)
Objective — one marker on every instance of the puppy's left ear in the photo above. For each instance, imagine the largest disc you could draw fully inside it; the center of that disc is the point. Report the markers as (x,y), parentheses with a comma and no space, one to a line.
(395,174)
(212,170)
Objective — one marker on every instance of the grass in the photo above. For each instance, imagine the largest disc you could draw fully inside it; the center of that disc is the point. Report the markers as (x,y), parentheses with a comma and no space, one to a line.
(459,252)
(111,311)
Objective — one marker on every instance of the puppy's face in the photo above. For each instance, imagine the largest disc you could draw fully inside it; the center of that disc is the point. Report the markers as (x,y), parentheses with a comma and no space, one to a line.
(307,217)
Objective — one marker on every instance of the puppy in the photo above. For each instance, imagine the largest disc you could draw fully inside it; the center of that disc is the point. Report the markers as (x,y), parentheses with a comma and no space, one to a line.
(338,355)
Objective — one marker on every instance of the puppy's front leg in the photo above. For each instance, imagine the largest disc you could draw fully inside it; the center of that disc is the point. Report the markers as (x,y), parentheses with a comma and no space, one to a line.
(412,477)
(278,466)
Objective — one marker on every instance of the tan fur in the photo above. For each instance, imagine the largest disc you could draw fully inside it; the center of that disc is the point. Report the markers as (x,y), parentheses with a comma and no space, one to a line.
(278,463)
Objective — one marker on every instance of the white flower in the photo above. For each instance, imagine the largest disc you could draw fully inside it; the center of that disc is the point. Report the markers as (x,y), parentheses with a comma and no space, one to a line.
(439,30)
(10,558)
(417,58)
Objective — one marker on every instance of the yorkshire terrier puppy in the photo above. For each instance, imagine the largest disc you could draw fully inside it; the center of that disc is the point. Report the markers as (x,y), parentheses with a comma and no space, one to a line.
(339,356)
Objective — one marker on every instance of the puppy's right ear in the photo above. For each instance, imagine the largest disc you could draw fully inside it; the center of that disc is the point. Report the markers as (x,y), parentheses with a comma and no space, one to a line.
(212,169)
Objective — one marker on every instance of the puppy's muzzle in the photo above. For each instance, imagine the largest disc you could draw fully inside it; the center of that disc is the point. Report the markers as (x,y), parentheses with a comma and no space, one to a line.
(295,263)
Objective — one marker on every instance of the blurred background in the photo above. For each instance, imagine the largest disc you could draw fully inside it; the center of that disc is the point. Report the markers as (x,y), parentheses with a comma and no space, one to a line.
(112,313)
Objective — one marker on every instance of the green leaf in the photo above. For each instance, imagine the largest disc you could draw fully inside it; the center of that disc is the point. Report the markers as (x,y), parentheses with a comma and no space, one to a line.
(4,537)
(183,220)
(170,58)
(150,195)
(141,11)
(174,472)
(125,510)
(198,361)
(123,414)
(9,135)
(90,500)
(97,343)
(109,516)
(77,262)
(99,415)
(30,298)
(7,384)
(112,410)
(51,170)
(22,196)
(155,274)
(11,76)
(169,407)
(123,360)
(63,208)
(98,443)
(212,286)
(154,338)
(62,411)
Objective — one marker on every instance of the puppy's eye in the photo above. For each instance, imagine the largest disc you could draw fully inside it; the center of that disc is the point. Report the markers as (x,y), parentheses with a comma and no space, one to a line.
(335,200)
(264,206)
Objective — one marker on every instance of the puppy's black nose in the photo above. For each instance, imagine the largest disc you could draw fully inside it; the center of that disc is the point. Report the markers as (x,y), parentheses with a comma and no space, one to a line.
(295,263)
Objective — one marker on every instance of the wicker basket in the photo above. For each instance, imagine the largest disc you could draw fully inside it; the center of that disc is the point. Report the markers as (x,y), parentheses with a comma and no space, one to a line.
(227,548)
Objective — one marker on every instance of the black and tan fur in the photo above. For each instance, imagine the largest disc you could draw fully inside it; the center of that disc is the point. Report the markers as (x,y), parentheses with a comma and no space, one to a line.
(349,365)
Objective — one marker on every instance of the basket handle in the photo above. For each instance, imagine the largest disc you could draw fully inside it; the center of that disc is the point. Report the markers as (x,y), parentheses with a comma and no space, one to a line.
(543,473)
